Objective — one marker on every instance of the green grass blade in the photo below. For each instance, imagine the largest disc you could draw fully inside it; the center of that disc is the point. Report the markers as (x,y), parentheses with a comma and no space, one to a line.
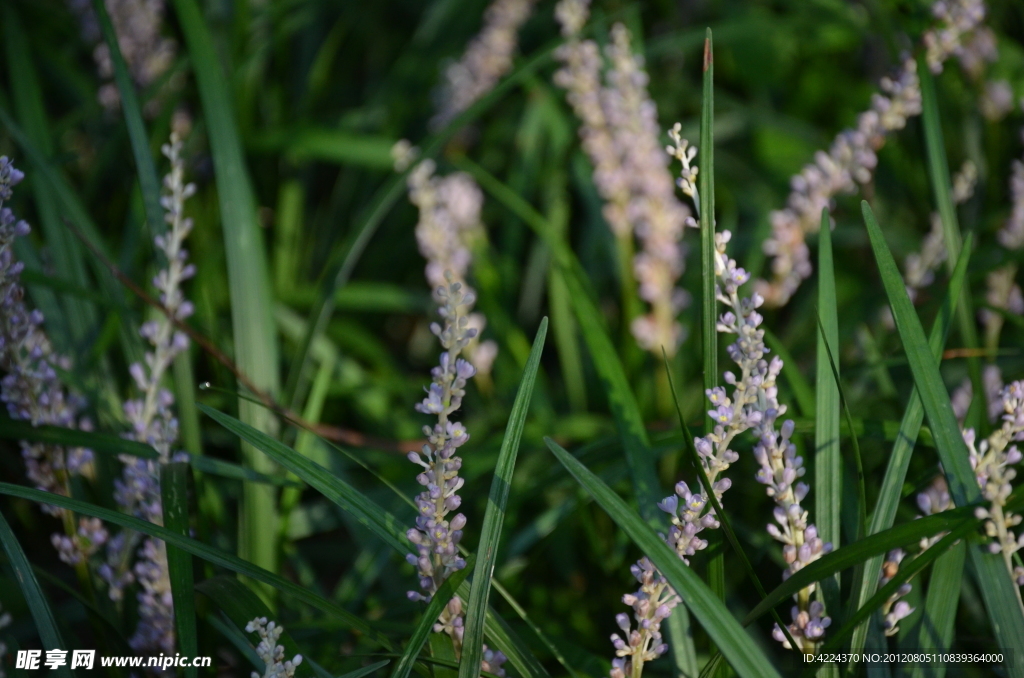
(939,614)
(899,459)
(112,445)
(242,605)
(739,650)
(149,181)
(174,495)
(828,460)
(706,180)
(709,302)
(255,338)
(938,176)
(46,623)
(204,551)
(367,513)
(859,551)
(907,570)
(1003,605)
(423,629)
(504,638)
(366,670)
(11,429)
(494,517)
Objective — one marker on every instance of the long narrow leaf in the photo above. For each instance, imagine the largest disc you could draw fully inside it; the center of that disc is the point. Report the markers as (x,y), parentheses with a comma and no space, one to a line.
(494,518)
(939,614)
(828,461)
(1003,605)
(899,459)
(174,496)
(426,624)
(737,648)
(46,623)
(242,605)
(204,551)
(255,339)
(380,522)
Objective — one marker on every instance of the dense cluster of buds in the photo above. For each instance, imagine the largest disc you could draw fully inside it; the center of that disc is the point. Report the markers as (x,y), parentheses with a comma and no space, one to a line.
(848,164)
(487,58)
(435,536)
(31,387)
(448,230)
(153,422)
(752,405)
(620,133)
(270,652)
(138,25)
(851,160)
(894,610)
(993,460)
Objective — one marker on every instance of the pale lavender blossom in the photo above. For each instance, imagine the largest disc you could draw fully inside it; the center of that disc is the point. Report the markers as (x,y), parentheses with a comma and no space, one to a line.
(849,163)
(153,422)
(620,133)
(993,461)
(851,160)
(894,610)
(1011,235)
(487,58)
(752,405)
(996,100)
(270,652)
(31,387)
(957,21)
(436,536)
(138,25)
(448,230)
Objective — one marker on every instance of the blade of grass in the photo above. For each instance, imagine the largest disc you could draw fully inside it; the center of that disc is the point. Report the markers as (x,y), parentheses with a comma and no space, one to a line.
(242,605)
(891,491)
(508,641)
(828,461)
(939,614)
(204,551)
(736,646)
(46,623)
(709,301)
(938,175)
(255,338)
(174,495)
(494,517)
(426,624)
(859,551)
(855,443)
(1001,599)
(907,570)
(367,513)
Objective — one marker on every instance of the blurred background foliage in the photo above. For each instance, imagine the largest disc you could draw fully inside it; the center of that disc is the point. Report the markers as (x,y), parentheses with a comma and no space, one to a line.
(320,92)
